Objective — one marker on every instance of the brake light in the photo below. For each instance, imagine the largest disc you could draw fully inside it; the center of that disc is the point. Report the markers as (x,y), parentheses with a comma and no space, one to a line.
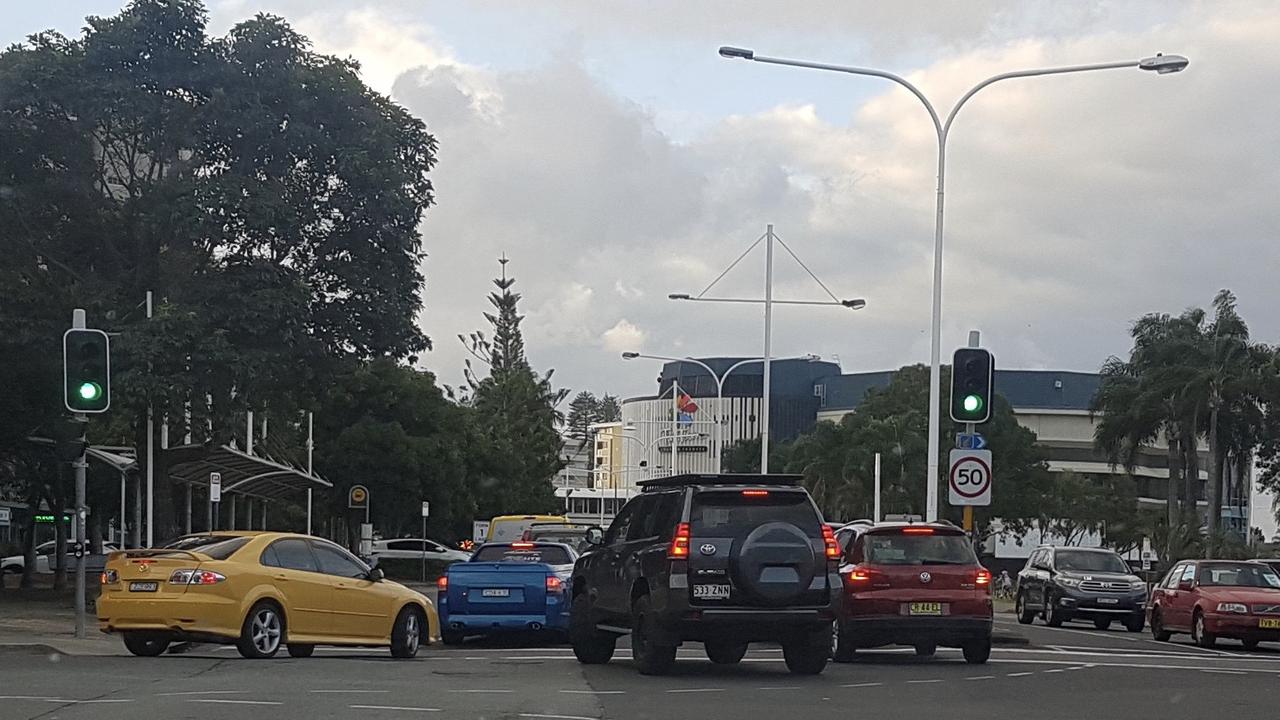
(522,545)
(196,577)
(679,549)
(756,493)
(983,578)
(917,531)
(109,577)
(829,540)
(858,576)
(554,584)
(442,583)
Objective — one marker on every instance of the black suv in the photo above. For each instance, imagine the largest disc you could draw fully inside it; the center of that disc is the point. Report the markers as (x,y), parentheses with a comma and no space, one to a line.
(724,560)
(1070,583)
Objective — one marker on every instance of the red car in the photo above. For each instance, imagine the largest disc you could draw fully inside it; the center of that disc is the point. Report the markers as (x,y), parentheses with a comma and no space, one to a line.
(913,584)
(1214,599)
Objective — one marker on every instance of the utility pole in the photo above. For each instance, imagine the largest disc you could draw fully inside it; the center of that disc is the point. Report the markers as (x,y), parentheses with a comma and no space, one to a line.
(80,464)
(768,342)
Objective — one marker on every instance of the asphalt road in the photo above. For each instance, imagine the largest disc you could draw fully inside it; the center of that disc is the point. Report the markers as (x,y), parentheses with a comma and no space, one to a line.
(1073,672)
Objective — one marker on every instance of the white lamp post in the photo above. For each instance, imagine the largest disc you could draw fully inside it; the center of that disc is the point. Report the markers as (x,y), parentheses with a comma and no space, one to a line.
(1160,64)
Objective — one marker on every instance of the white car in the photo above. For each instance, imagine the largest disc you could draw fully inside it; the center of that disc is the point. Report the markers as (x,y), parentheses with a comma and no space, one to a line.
(44,555)
(416,549)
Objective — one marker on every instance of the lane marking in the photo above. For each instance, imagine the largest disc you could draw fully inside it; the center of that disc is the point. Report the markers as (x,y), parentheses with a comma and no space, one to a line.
(1056,670)
(38,698)
(403,708)
(556,717)
(921,682)
(235,702)
(1116,636)
(696,690)
(780,687)
(594,692)
(352,692)
(202,692)
(1131,666)
(981,677)
(866,684)
(482,692)
(1019,674)
(1226,672)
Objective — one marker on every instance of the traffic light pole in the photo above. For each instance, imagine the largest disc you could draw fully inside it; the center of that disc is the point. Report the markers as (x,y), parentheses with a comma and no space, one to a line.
(975,339)
(81,464)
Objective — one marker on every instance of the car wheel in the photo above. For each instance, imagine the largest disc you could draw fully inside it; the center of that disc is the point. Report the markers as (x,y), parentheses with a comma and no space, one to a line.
(1025,615)
(926,649)
(1158,633)
(300,651)
(725,652)
(145,644)
(452,637)
(1102,623)
(262,631)
(650,658)
(590,646)
(1135,623)
(842,648)
(977,652)
(1199,635)
(406,634)
(1053,617)
(806,655)
(1250,644)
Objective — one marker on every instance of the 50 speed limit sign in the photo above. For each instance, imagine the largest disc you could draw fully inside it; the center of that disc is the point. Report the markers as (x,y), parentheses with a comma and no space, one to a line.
(970,477)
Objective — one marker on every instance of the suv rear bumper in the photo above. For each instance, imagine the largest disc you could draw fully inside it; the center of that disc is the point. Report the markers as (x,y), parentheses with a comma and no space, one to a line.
(681,620)
(878,630)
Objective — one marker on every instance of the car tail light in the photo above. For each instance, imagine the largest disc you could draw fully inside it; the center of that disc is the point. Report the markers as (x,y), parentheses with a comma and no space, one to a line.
(196,577)
(917,531)
(829,540)
(522,545)
(679,549)
(858,577)
(756,493)
(109,577)
(983,578)
(442,583)
(554,584)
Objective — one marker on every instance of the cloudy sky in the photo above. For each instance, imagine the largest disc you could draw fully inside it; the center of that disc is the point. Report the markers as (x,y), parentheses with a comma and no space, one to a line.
(614,157)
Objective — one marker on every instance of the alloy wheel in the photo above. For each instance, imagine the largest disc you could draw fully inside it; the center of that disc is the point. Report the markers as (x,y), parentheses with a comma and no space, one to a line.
(265,631)
(414,634)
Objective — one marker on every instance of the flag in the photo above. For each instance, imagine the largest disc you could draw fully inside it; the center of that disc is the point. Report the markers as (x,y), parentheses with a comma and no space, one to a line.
(686,404)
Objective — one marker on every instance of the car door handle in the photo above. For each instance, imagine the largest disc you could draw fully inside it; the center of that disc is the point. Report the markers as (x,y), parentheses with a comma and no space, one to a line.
(282,577)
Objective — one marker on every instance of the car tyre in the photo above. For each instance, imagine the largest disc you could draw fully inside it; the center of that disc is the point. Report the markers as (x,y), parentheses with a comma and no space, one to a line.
(842,647)
(926,649)
(1158,633)
(1053,617)
(300,651)
(406,634)
(1025,615)
(262,631)
(145,644)
(725,652)
(805,656)
(977,652)
(590,646)
(1199,635)
(1102,623)
(650,658)
(1250,644)
(1135,623)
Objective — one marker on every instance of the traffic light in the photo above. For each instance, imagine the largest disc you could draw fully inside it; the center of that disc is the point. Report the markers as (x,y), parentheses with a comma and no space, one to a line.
(86,368)
(971,385)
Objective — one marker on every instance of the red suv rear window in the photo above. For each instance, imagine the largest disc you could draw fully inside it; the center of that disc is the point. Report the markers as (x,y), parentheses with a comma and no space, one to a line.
(897,548)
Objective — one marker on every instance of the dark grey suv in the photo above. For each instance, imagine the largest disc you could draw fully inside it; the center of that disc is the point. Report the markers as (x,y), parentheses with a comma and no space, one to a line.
(1073,583)
(725,560)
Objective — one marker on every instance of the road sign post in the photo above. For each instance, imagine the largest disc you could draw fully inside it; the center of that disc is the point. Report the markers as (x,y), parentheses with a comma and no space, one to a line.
(426,510)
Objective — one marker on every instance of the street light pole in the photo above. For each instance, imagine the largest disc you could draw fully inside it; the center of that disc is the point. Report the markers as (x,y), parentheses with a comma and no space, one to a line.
(768,339)
(1160,64)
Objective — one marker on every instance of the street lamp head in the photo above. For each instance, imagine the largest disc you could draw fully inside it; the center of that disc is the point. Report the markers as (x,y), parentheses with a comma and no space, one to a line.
(730,51)
(678,296)
(855,304)
(630,355)
(1164,64)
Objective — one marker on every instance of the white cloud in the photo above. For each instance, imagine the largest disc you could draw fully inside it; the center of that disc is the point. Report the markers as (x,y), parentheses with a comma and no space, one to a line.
(623,337)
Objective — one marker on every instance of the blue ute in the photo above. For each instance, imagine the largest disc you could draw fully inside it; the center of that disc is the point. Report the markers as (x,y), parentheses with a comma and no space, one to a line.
(505,587)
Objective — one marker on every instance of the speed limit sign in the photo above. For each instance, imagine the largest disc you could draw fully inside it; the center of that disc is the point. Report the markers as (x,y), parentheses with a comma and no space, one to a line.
(970,477)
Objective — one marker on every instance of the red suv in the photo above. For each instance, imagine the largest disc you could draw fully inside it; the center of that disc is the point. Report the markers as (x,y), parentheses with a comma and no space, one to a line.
(913,584)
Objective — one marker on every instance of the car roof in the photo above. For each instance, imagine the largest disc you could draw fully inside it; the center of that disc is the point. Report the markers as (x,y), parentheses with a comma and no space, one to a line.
(945,526)
(1082,549)
(712,479)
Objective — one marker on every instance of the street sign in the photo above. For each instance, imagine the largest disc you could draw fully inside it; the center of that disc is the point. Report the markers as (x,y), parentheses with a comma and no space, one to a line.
(215,487)
(4,516)
(358,497)
(970,441)
(970,477)
(426,509)
(479,530)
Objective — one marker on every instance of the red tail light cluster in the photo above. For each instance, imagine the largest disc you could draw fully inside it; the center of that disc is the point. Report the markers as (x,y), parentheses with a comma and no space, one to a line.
(982,578)
(109,577)
(554,584)
(195,577)
(858,577)
(679,549)
(829,540)
(442,583)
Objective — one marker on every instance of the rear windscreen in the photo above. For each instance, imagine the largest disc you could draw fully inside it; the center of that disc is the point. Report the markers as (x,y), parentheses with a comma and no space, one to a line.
(506,553)
(218,547)
(735,514)
(571,538)
(899,549)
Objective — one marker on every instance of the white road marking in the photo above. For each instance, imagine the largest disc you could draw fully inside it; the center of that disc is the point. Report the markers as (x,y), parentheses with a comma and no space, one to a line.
(38,698)
(352,692)
(594,692)
(1056,670)
(780,687)
(696,690)
(481,692)
(922,682)
(981,677)
(1117,636)
(1131,666)
(555,717)
(1019,674)
(394,707)
(236,702)
(861,685)
(203,692)
(1226,672)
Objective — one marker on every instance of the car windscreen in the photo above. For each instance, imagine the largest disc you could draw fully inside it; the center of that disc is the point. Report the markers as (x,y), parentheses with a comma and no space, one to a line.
(548,554)
(897,548)
(572,538)
(736,513)
(1238,575)
(1089,561)
(218,547)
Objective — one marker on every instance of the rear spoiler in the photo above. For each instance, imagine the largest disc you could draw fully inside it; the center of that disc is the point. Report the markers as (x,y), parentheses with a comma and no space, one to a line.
(154,552)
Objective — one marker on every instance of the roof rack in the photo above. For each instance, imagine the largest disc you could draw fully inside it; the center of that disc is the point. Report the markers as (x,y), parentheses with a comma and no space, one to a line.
(720,479)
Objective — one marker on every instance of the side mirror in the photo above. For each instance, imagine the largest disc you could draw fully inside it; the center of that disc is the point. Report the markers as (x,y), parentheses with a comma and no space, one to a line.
(1184,584)
(376,574)
(595,535)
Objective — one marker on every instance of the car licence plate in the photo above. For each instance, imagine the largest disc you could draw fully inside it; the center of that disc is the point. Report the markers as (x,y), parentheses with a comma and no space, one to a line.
(495,592)
(924,609)
(1108,601)
(1269,623)
(144,586)
(711,592)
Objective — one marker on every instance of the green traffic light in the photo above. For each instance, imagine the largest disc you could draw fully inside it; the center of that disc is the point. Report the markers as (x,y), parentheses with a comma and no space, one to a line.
(972,403)
(90,391)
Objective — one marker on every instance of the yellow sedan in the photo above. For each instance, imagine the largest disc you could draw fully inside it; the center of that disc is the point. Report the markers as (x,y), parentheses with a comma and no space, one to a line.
(259,591)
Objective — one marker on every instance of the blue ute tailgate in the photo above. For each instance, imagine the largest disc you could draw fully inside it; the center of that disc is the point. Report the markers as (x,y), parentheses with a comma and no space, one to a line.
(498,588)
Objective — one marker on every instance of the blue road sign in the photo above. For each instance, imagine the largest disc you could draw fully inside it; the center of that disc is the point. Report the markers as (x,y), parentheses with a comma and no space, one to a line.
(970,441)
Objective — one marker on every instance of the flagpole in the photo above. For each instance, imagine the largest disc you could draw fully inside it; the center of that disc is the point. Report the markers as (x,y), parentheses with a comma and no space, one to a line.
(675,428)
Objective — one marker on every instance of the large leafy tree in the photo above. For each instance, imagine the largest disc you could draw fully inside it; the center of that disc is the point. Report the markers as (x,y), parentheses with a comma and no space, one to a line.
(268,198)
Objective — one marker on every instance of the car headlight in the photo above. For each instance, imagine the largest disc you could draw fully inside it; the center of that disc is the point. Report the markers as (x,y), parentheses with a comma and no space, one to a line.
(1233,608)
(1069,581)
(1137,585)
